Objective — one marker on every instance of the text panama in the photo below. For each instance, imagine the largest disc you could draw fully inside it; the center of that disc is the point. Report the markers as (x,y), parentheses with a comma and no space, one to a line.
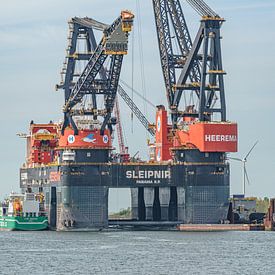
(221,138)
(144,174)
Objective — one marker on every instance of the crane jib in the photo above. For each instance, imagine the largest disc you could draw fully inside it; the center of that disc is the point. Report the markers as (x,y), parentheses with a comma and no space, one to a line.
(113,46)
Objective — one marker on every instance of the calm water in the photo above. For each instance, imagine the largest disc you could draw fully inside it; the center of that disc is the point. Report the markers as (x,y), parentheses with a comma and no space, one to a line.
(137,253)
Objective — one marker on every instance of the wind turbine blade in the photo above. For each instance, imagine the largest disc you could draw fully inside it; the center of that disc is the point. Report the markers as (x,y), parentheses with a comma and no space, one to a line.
(251,149)
(246,175)
(235,159)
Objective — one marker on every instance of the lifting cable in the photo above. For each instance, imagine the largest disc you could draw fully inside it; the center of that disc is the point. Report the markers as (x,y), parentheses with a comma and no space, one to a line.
(132,78)
(202,8)
(137,93)
(141,56)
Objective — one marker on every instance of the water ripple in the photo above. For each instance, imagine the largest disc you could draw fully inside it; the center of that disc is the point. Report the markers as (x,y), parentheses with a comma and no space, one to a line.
(137,252)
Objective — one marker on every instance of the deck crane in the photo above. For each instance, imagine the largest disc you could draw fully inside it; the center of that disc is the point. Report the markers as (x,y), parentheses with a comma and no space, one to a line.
(194,70)
(166,10)
(212,83)
(83,28)
(123,150)
(114,44)
(137,112)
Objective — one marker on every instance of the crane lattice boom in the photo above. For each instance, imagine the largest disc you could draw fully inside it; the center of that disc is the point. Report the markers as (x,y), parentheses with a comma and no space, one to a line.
(114,44)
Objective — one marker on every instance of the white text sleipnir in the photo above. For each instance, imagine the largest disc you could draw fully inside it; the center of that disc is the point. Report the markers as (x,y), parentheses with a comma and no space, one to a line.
(220,138)
(144,174)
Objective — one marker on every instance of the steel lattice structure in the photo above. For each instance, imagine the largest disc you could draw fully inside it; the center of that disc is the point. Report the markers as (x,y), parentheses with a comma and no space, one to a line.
(199,63)
(95,79)
(85,27)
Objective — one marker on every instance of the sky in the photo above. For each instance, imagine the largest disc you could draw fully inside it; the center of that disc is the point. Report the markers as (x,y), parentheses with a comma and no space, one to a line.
(32,49)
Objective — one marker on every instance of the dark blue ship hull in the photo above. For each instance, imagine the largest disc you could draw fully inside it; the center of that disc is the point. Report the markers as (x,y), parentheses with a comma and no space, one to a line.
(193,189)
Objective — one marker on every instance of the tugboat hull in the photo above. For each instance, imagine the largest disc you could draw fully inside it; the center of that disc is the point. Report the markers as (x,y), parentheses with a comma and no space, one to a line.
(23,224)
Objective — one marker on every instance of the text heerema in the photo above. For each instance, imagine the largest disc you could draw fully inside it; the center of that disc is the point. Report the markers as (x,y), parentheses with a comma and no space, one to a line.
(148,174)
(225,138)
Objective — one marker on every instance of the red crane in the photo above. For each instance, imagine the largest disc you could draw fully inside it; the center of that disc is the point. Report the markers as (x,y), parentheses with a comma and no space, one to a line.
(123,150)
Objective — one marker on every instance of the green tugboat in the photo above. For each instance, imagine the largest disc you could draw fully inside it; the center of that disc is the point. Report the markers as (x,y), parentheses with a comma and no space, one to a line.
(23,212)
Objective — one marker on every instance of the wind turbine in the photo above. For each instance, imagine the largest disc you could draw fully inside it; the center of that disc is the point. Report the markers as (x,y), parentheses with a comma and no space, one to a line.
(244,161)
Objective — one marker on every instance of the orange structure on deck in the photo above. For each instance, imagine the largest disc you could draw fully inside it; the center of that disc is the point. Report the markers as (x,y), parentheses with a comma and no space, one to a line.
(163,137)
(85,138)
(209,137)
(41,143)
(193,134)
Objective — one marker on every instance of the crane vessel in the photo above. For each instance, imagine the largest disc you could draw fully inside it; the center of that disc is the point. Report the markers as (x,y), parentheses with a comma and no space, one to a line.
(186,178)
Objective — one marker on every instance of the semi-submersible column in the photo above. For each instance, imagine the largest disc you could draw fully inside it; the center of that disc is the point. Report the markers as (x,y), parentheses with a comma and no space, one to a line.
(83,202)
(158,203)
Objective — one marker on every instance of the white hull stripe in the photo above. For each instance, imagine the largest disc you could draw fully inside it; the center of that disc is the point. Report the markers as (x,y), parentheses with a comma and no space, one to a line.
(8,220)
